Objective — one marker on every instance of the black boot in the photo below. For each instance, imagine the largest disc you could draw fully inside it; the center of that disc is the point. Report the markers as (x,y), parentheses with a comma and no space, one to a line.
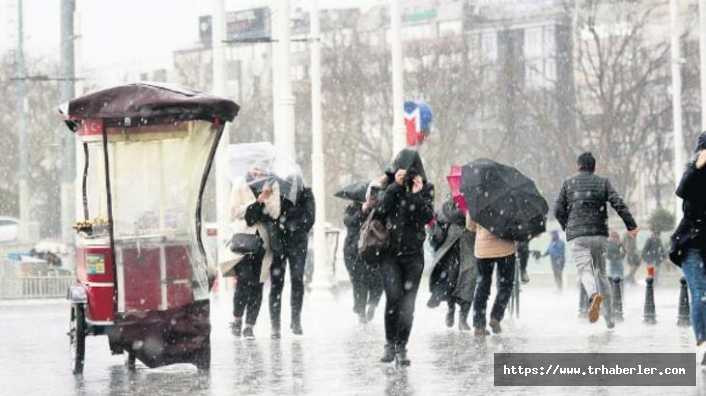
(237,326)
(402,358)
(276,331)
(463,317)
(450,315)
(371,313)
(248,332)
(297,327)
(388,356)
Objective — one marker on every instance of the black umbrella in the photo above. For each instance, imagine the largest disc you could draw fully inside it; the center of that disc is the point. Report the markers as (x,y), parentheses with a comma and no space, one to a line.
(353,192)
(503,200)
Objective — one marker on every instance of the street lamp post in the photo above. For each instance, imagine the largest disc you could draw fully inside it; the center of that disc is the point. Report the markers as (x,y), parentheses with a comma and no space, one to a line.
(678,160)
(398,129)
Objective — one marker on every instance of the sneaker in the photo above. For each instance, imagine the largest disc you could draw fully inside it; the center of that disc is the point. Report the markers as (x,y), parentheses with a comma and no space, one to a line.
(248,332)
(388,356)
(236,326)
(594,308)
(610,324)
(480,332)
(524,277)
(402,358)
(450,318)
(495,325)
(434,301)
(297,328)
(371,313)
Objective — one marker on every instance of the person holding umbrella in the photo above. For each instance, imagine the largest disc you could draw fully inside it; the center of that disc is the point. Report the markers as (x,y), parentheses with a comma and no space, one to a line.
(365,279)
(504,207)
(581,211)
(406,206)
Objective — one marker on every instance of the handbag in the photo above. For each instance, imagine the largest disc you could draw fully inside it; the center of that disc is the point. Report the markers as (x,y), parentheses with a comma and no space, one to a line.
(242,243)
(374,239)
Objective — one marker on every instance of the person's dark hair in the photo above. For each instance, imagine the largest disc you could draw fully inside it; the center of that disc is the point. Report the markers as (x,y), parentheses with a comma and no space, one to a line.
(586,162)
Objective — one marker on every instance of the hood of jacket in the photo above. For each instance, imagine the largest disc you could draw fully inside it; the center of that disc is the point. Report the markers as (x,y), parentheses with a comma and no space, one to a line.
(701,143)
(407,159)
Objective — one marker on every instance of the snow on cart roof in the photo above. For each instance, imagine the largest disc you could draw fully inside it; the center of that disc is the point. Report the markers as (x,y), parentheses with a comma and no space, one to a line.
(144,103)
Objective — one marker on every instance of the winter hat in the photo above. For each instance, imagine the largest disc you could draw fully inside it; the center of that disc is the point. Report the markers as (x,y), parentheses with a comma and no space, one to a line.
(587,162)
(701,143)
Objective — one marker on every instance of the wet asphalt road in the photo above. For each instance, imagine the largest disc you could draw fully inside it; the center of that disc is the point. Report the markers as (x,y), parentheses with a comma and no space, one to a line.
(336,355)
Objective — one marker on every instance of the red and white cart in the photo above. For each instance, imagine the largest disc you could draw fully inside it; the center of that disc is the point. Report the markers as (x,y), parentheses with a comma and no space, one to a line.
(142,273)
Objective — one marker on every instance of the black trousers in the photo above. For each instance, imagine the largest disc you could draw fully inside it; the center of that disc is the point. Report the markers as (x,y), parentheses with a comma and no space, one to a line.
(247,298)
(366,281)
(295,254)
(506,275)
(401,276)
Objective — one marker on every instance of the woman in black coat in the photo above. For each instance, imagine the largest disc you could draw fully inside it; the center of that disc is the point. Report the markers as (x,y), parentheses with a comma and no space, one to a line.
(406,206)
(689,240)
(366,280)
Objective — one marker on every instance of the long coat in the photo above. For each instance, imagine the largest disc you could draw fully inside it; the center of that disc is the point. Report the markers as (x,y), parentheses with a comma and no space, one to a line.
(455,271)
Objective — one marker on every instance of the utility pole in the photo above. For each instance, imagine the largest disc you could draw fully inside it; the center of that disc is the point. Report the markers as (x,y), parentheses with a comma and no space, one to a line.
(702,53)
(23,193)
(68,169)
(398,128)
(317,150)
(678,160)
(283,98)
(217,46)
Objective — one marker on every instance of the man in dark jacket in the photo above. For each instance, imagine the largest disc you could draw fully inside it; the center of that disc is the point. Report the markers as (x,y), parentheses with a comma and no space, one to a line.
(296,220)
(653,253)
(688,248)
(582,212)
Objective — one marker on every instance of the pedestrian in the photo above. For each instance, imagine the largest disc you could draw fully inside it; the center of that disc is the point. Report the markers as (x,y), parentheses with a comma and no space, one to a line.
(296,220)
(406,206)
(365,279)
(632,256)
(556,252)
(582,212)
(453,278)
(255,205)
(653,253)
(688,243)
(523,256)
(491,251)
(615,253)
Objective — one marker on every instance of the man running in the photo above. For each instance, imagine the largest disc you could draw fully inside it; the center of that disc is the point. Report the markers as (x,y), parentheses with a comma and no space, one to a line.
(582,212)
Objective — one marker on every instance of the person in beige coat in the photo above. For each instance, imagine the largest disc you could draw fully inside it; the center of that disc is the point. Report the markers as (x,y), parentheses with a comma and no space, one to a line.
(254,208)
(491,251)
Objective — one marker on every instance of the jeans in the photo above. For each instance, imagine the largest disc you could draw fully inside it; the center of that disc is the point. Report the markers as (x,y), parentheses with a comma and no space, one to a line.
(247,297)
(401,276)
(589,255)
(693,269)
(506,276)
(366,281)
(295,254)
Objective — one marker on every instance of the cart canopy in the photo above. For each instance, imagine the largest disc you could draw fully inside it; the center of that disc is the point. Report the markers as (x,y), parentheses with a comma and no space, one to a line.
(141,104)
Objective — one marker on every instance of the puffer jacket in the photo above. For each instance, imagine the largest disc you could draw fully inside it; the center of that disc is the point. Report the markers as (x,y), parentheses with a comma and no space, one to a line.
(406,213)
(581,207)
(691,232)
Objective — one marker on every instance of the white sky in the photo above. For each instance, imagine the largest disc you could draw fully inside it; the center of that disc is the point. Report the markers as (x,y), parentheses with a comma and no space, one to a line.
(121,33)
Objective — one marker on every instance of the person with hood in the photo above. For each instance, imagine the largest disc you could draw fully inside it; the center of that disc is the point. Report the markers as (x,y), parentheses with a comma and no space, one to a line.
(296,221)
(582,212)
(615,253)
(556,252)
(255,205)
(365,279)
(653,253)
(688,243)
(453,278)
(405,206)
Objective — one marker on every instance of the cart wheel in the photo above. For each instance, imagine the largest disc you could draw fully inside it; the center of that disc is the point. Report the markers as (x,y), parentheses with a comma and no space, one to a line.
(77,338)
(202,359)
(130,361)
